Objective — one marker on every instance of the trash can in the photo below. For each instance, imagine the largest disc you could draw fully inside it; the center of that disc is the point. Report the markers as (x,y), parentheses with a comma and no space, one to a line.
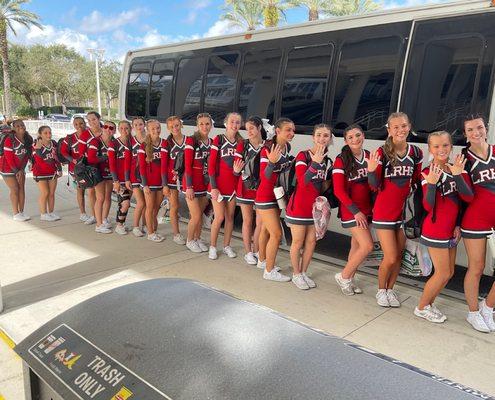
(178,339)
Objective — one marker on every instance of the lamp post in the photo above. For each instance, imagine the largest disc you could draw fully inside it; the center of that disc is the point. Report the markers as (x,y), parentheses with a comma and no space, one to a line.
(97,53)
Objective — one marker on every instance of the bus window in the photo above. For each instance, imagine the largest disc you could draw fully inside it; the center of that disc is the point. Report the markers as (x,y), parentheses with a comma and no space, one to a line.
(365,82)
(137,88)
(259,84)
(161,89)
(188,88)
(305,85)
(221,82)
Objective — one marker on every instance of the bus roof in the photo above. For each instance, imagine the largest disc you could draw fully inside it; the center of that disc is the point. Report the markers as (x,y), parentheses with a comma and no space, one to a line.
(325,25)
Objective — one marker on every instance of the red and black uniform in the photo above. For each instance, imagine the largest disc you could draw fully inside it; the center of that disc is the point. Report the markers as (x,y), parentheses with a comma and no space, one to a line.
(153,173)
(119,154)
(70,149)
(97,154)
(309,178)
(442,202)
(353,192)
(15,157)
(393,183)
(196,165)
(45,162)
(269,173)
(172,150)
(245,151)
(479,217)
(132,166)
(221,166)
(85,138)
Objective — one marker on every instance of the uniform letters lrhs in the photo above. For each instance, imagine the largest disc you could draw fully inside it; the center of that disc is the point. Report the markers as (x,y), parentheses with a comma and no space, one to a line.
(399,171)
(485,176)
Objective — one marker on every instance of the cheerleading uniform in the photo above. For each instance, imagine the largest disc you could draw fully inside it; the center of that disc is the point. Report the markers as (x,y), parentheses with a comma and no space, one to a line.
(15,156)
(395,186)
(479,217)
(98,156)
(70,149)
(132,164)
(172,150)
(119,155)
(45,162)
(245,151)
(152,173)
(196,154)
(353,192)
(221,167)
(309,177)
(85,138)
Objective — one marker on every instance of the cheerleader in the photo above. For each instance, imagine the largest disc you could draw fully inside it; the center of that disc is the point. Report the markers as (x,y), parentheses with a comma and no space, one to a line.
(444,185)
(223,183)
(392,170)
(152,170)
(246,153)
(70,150)
(176,142)
(479,220)
(46,171)
(313,167)
(139,129)
(17,151)
(195,180)
(273,161)
(98,155)
(119,154)
(350,183)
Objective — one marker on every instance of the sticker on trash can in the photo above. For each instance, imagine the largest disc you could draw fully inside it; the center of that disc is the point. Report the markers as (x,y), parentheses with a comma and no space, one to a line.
(87,371)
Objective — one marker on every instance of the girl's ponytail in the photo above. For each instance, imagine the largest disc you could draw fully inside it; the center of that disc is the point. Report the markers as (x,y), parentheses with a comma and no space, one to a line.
(148,147)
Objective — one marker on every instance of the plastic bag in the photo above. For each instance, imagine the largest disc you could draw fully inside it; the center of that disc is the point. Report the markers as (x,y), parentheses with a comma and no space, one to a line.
(415,260)
(491,243)
(321,216)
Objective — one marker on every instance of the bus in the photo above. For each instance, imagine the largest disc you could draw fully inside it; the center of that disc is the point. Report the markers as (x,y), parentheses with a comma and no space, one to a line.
(433,62)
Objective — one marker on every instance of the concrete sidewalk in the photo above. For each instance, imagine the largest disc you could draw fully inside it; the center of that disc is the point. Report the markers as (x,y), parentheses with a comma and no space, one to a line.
(49,267)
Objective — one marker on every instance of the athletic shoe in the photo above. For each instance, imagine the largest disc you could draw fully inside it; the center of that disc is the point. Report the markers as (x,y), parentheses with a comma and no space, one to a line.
(46,217)
(137,232)
(202,245)
(193,246)
(477,322)
(26,217)
(90,221)
(356,289)
(106,223)
(428,314)
(311,283)
(102,229)
(120,229)
(487,314)
(144,230)
(19,217)
(382,298)
(250,258)
(83,217)
(393,299)
(229,251)
(179,239)
(299,281)
(212,253)
(55,217)
(438,312)
(345,285)
(275,275)
(155,238)
(262,265)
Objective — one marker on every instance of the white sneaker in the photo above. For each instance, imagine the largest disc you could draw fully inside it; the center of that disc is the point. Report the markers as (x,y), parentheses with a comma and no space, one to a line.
(250,258)
(382,298)
(120,229)
(144,230)
(355,287)
(46,217)
(83,217)
(55,217)
(90,221)
(193,246)
(345,284)
(311,283)
(26,217)
(202,245)
(393,299)
(212,253)
(487,314)
(429,314)
(106,223)
(275,275)
(299,281)
(477,322)
(229,251)
(179,239)
(154,237)
(137,232)
(19,217)
(102,229)
(262,265)
(438,312)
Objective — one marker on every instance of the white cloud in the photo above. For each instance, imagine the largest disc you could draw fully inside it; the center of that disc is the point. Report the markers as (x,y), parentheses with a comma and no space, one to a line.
(222,27)
(411,3)
(96,22)
(195,8)
(154,38)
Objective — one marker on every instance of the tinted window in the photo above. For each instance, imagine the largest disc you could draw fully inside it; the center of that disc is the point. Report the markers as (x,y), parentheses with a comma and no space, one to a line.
(259,84)
(221,81)
(188,88)
(137,89)
(365,82)
(305,84)
(161,89)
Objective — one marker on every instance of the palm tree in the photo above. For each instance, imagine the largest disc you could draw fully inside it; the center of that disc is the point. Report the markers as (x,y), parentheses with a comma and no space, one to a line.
(10,12)
(314,7)
(273,11)
(244,13)
(351,7)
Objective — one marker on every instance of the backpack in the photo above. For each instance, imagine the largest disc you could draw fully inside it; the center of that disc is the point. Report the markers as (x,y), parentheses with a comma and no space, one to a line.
(4,136)
(252,166)
(60,156)
(180,161)
(86,176)
(414,208)
(221,141)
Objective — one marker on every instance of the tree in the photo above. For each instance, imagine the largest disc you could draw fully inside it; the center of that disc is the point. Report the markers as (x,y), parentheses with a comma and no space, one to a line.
(314,7)
(273,11)
(244,13)
(10,12)
(352,7)
(110,81)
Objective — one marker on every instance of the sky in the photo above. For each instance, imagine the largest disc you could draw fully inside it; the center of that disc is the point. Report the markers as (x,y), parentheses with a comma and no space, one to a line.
(123,25)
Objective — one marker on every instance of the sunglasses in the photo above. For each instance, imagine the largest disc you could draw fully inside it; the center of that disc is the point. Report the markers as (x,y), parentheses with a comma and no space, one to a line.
(110,127)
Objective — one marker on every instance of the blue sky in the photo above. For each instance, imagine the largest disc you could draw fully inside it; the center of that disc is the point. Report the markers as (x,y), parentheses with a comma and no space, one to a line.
(118,26)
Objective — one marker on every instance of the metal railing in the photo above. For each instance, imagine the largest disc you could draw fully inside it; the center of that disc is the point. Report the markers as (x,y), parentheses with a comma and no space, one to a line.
(59,129)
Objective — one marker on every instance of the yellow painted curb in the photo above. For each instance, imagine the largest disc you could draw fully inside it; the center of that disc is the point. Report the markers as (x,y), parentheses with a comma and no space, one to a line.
(8,341)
